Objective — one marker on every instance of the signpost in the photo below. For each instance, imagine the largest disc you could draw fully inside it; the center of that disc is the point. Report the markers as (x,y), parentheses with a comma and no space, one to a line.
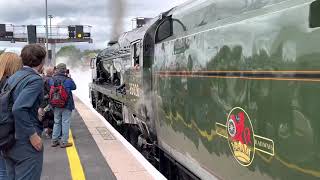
(38,34)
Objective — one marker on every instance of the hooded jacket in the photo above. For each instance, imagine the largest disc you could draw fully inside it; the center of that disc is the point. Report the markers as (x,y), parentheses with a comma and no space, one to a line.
(69,85)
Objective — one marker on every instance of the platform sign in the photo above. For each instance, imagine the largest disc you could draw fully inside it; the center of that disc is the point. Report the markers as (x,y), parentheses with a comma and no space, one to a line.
(71,28)
(32,34)
(2,30)
(72,34)
(86,35)
(9,34)
(79,32)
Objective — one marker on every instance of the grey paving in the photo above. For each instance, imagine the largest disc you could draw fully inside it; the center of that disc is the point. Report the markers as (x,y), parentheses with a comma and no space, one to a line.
(56,165)
(93,162)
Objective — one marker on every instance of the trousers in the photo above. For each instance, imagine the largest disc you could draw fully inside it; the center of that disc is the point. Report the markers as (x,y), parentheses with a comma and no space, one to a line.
(3,169)
(62,120)
(23,162)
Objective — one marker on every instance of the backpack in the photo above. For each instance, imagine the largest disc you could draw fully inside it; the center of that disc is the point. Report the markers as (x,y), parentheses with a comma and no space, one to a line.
(58,95)
(7,130)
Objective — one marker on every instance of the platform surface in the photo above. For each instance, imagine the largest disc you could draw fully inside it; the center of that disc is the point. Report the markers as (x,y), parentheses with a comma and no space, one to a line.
(122,162)
(56,161)
(97,153)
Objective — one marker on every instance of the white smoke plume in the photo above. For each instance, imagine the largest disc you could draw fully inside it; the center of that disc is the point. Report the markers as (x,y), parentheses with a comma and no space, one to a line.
(81,76)
(116,15)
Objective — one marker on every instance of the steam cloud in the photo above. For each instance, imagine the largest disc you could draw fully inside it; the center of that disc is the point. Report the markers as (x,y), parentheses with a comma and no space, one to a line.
(81,76)
(117,14)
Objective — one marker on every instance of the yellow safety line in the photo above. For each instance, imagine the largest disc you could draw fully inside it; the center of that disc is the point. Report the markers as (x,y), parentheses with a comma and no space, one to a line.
(76,169)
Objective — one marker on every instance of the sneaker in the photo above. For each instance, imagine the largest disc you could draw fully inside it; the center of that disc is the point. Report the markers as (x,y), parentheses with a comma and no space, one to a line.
(64,145)
(54,143)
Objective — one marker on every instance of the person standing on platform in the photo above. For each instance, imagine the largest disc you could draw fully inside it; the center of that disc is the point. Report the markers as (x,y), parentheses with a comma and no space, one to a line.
(61,99)
(25,159)
(46,111)
(9,64)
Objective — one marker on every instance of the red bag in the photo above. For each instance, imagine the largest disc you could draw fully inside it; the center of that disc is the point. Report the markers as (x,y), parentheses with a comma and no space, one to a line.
(58,95)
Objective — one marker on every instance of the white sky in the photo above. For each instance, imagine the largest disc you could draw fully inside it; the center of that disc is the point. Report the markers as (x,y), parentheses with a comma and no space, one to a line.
(88,12)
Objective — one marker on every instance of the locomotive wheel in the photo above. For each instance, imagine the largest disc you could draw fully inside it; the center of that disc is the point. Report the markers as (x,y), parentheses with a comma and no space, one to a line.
(132,134)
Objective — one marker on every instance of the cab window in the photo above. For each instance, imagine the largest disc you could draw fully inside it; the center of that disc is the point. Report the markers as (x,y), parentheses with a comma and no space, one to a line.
(314,17)
(136,54)
(164,30)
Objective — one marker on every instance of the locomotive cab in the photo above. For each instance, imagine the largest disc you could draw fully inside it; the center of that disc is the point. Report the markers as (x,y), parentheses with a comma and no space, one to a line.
(135,55)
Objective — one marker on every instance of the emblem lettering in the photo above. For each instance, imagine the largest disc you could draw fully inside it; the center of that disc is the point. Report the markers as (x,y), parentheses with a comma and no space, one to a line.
(242,140)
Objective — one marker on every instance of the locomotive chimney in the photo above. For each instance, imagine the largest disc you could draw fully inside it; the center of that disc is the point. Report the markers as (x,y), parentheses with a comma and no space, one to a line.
(139,22)
(112,42)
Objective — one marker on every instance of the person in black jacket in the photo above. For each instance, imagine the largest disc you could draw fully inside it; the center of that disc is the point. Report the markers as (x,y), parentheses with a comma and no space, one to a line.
(9,64)
(45,109)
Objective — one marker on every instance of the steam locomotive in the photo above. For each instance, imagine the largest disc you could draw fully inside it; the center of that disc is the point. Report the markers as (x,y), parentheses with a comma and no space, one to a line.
(219,89)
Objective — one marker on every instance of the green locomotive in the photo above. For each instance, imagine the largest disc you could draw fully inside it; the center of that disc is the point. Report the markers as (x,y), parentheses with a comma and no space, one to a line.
(219,89)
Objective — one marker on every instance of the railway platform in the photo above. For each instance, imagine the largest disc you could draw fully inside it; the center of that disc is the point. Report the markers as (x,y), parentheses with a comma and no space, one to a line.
(99,152)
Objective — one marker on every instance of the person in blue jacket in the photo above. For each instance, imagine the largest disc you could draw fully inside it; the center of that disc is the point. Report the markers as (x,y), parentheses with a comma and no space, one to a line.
(62,116)
(25,159)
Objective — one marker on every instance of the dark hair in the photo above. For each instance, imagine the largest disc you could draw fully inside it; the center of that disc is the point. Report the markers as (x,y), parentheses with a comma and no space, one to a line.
(33,55)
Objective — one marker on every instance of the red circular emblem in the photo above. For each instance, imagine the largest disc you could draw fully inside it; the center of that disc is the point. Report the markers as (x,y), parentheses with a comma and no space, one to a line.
(241,136)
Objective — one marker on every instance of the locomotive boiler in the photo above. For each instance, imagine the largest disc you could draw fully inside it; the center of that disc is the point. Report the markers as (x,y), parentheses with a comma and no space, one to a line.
(219,89)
